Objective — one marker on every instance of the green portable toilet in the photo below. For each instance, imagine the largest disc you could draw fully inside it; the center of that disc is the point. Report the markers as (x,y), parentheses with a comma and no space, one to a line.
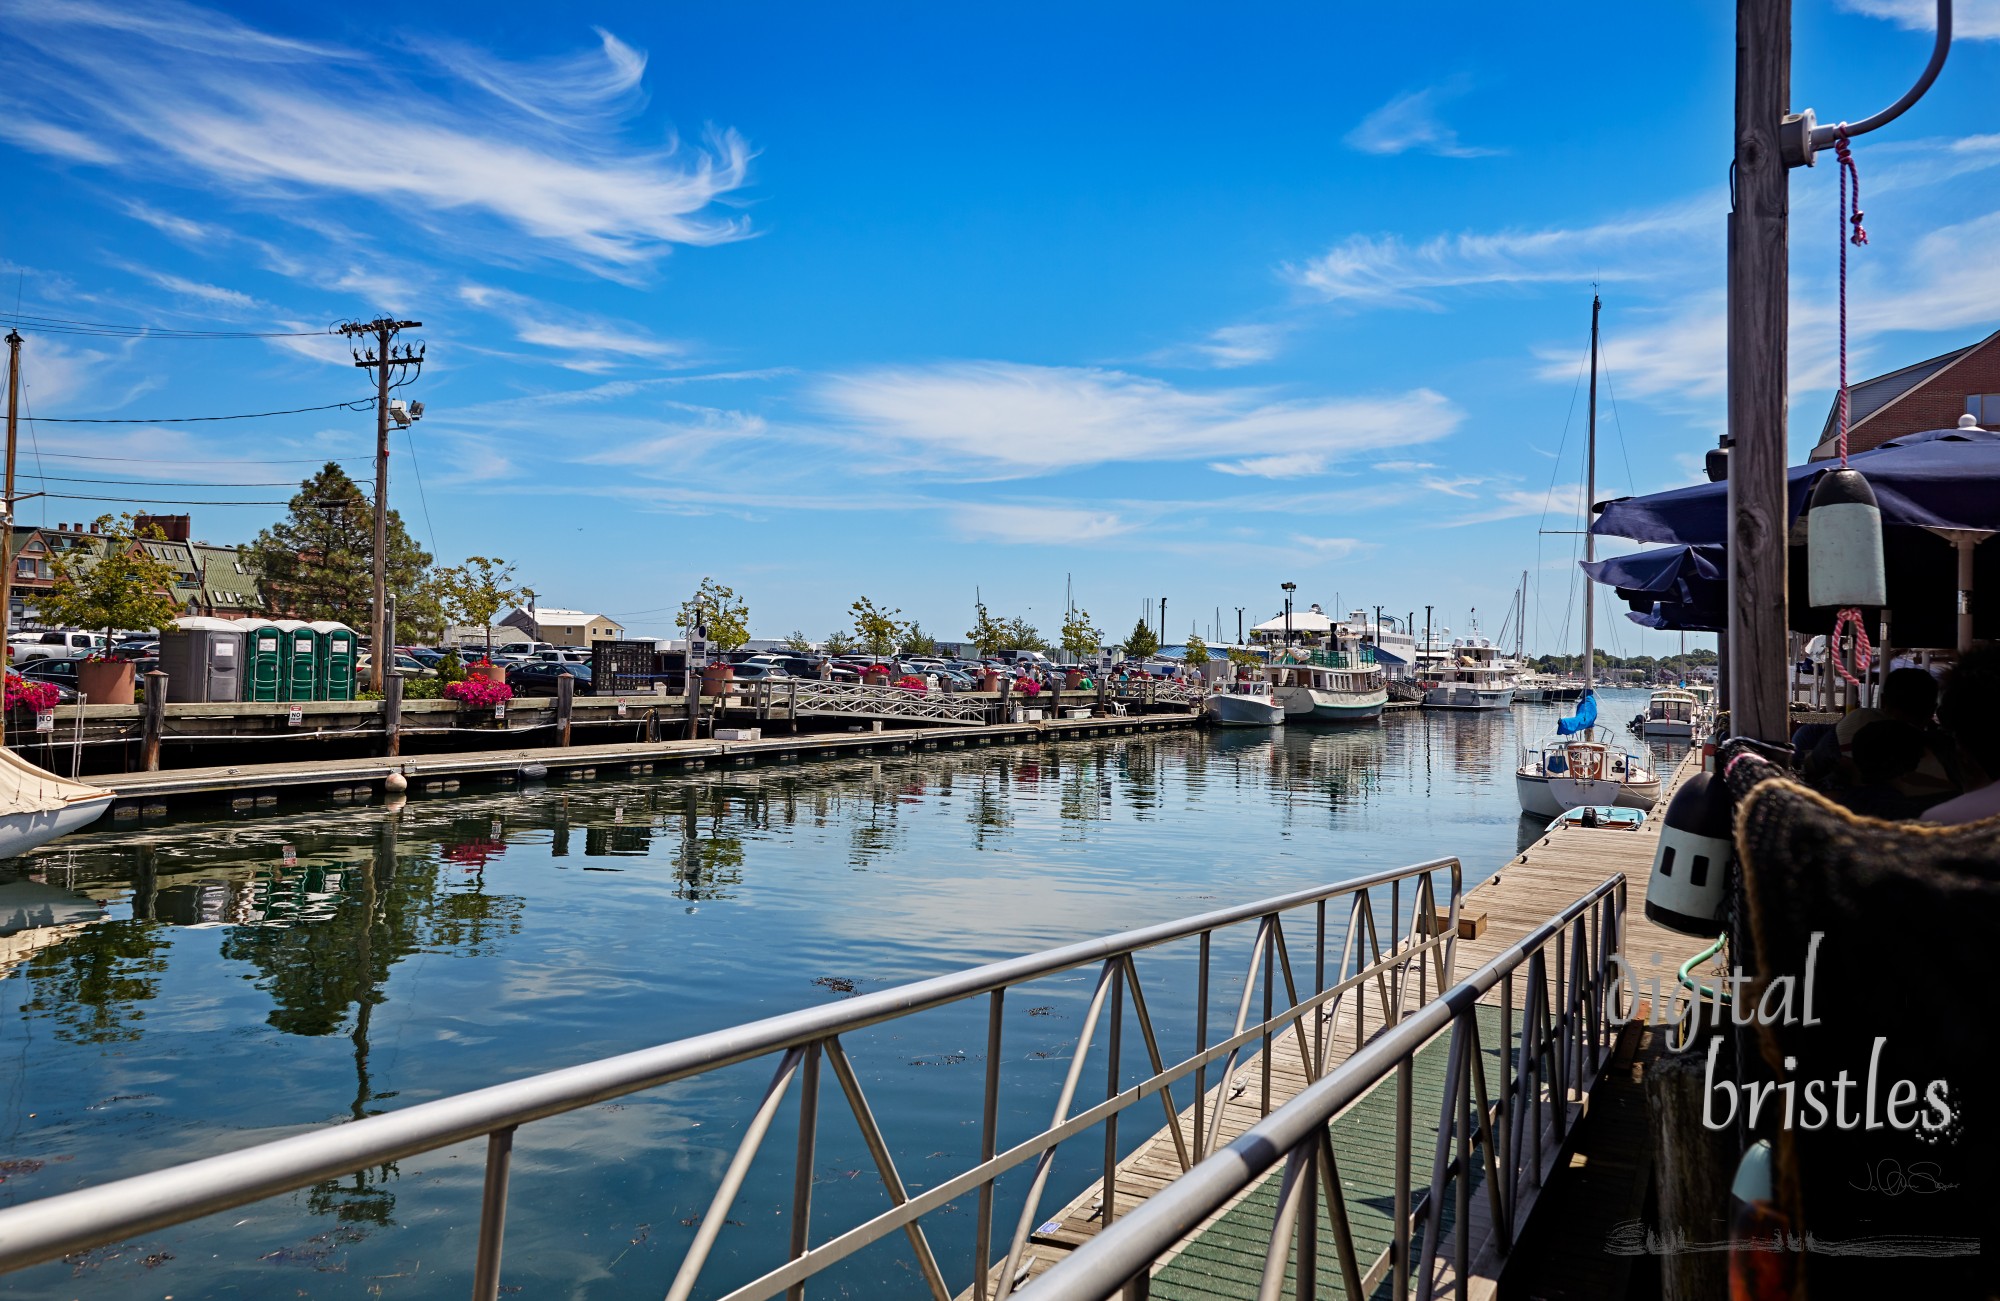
(337,648)
(301,656)
(263,662)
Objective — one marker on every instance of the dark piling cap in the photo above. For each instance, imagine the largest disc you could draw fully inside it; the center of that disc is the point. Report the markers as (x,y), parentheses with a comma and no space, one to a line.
(1845,486)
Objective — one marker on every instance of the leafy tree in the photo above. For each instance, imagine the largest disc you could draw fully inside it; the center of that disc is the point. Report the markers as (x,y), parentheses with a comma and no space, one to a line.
(318,562)
(988,635)
(798,641)
(719,610)
(421,611)
(1019,634)
(477,590)
(916,641)
(1244,659)
(1079,638)
(875,628)
(1197,650)
(1141,642)
(838,642)
(120,587)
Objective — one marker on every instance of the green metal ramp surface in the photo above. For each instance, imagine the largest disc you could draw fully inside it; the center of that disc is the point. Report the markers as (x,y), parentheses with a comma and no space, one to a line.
(1225,1260)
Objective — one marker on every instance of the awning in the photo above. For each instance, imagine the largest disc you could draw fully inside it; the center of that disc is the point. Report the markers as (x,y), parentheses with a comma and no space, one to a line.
(1303,622)
(1942,479)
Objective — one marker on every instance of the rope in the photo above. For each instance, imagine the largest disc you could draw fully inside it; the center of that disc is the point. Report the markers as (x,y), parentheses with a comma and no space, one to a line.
(1848,214)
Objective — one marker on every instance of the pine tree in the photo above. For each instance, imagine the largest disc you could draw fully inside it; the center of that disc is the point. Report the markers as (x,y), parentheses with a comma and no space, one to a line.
(318,562)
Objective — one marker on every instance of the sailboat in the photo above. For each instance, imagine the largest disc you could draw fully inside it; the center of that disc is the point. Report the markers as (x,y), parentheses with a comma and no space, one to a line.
(1582,764)
(35,806)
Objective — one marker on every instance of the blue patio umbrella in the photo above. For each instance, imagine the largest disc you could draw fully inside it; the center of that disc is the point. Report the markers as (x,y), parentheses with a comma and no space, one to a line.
(1942,479)
(1681,589)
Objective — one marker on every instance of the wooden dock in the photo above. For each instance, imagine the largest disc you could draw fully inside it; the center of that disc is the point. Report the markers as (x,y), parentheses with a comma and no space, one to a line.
(1224,1258)
(247,786)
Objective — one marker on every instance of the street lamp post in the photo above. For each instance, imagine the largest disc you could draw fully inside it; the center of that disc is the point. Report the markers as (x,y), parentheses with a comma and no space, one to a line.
(1289,589)
(1239,625)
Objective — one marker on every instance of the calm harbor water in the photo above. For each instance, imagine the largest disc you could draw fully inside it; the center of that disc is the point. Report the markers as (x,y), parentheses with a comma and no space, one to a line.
(255,978)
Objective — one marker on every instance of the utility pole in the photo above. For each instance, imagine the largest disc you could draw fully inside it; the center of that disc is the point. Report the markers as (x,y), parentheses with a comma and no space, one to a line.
(382,358)
(7,514)
(1163,621)
(1239,625)
(1759,280)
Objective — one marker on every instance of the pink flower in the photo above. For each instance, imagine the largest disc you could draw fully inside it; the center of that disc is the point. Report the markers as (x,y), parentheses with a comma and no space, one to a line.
(38,696)
(480,693)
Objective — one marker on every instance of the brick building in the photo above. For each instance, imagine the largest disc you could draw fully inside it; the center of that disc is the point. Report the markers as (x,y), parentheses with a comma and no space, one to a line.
(1931,394)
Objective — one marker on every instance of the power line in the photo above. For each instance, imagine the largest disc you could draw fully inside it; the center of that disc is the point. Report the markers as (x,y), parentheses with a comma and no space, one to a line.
(157,483)
(67,325)
(169,501)
(154,460)
(358,404)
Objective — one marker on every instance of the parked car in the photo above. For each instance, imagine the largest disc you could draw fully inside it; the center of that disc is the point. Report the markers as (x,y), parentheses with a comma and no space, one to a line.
(401,665)
(58,645)
(59,671)
(539,677)
(562,655)
(427,656)
(137,649)
(757,671)
(519,650)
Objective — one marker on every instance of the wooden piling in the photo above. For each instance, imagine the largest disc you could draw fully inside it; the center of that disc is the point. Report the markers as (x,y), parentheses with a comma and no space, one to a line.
(155,721)
(1759,280)
(392,715)
(565,701)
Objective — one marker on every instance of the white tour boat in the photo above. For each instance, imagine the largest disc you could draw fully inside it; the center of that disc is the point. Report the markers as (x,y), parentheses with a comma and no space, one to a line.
(1671,712)
(1329,686)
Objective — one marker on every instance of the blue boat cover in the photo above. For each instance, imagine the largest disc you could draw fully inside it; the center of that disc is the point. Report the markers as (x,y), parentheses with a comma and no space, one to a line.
(1583,720)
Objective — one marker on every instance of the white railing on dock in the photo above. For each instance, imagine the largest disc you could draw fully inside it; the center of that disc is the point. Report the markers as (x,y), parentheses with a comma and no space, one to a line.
(1494,1137)
(1288,942)
(805,696)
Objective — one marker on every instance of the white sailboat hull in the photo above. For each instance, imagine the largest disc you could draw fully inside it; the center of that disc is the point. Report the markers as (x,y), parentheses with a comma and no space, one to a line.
(1548,797)
(1244,711)
(21,832)
(1451,695)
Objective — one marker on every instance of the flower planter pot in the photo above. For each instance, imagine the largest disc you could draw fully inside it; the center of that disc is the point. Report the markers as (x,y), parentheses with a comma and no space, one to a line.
(494,672)
(1073,680)
(876,679)
(105,682)
(989,680)
(716,679)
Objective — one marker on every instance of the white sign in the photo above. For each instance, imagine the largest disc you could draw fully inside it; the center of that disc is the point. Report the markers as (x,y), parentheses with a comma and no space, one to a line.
(697,652)
(295,716)
(225,650)
(621,709)
(45,720)
(499,709)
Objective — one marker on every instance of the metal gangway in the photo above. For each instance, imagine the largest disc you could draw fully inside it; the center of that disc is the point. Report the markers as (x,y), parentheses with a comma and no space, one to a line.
(1348,982)
(809,697)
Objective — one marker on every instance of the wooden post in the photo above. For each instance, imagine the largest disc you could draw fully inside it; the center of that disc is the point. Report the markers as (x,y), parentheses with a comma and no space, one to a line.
(691,685)
(392,715)
(1055,697)
(1759,281)
(653,726)
(156,721)
(792,704)
(1692,1167)
(565,703)
(1006,689)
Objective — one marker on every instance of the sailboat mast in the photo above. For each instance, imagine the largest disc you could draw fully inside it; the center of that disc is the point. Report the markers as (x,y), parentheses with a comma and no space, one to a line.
(1589,500)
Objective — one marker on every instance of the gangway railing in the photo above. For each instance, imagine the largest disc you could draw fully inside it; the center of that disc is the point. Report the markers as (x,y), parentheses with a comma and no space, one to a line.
(1495,1138)
(857,699)
(1398,935)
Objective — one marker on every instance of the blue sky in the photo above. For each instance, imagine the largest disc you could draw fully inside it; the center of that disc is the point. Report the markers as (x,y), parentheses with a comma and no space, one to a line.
(1158,300)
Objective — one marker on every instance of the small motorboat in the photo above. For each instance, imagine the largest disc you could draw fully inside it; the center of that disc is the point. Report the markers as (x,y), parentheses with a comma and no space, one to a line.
(1244,704)
(1601,817)
(36,806)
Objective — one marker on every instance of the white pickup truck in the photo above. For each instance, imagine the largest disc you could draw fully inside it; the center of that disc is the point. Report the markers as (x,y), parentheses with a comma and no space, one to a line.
(57,646)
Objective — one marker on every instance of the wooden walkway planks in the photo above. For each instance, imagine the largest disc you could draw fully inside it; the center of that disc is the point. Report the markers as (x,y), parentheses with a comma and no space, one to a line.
(1532,887)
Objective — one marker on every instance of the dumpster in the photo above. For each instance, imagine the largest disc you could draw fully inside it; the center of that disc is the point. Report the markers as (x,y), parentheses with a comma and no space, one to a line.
(337,650)
(203,659)
(263,661)
(301,660)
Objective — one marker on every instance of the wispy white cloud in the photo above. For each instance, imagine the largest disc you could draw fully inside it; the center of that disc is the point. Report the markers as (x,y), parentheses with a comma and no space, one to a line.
(1227,348)
(1332,548)
(1453,487)
(169,223)
(1971,19)
(1002,419)
(1404,467)
(1389,271)
(530,149)
(1562,502)
(216,295)
(1284,465)
(1053,525)
(1411,121)
(590,343)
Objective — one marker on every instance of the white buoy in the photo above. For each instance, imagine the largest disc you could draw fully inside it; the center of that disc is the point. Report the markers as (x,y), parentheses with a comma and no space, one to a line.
(1691,865)
(395,783)
(1844,565)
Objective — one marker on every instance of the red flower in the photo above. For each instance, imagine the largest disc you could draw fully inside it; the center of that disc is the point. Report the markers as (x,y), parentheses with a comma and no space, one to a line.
(480,693)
